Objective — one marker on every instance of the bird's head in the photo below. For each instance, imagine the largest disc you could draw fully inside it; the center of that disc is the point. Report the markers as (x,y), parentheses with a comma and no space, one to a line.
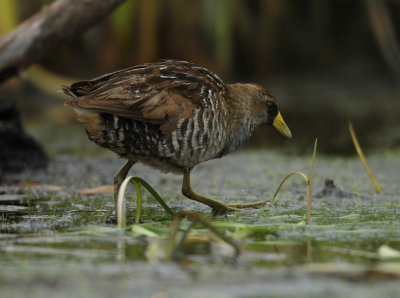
(262,106)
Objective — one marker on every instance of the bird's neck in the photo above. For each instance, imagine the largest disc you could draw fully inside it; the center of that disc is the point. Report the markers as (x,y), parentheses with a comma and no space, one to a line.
(242,120)
(239,100)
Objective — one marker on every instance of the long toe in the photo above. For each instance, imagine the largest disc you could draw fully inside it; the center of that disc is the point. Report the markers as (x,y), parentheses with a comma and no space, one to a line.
(258,204)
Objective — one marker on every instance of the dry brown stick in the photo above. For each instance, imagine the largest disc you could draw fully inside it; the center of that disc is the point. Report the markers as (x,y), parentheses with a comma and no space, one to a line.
(362,158)
(46,30)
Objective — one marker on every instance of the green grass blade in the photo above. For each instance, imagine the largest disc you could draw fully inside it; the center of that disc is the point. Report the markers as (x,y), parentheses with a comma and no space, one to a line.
(310,182)
(121,200)
(155,195)
(138,201)
(286,178)
(121,204)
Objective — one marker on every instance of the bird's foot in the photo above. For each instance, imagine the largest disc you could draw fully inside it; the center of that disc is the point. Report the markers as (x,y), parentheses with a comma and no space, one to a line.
(218,207)
(223,209)
(248,205)
(226,208)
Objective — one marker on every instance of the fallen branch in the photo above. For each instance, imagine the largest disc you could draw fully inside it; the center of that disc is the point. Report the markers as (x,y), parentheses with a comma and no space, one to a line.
(53,25)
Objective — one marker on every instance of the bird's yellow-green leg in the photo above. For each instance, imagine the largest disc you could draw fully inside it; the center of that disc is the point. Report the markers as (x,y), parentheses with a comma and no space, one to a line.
(119,177)
(217,206)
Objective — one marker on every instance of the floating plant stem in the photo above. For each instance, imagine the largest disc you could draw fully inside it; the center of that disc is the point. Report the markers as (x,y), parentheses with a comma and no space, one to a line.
(173,247)
(362,158)
(121,200)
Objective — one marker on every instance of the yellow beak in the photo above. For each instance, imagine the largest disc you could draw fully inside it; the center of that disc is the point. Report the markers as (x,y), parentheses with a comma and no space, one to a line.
(281,126)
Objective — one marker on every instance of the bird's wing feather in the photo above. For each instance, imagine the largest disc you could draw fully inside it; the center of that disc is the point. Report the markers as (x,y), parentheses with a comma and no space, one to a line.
(161,93)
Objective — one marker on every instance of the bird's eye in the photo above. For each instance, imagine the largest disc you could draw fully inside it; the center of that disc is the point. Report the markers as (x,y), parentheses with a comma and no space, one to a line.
(271,107)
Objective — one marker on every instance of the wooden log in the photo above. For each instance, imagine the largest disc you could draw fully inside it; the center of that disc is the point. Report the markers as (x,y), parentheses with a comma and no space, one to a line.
(48,29)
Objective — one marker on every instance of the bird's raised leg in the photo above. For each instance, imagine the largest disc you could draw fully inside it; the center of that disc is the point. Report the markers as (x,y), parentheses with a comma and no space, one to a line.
(217,206)
(119,177)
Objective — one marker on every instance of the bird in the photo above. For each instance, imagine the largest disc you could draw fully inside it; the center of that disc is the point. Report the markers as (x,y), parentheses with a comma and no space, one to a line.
(172,115)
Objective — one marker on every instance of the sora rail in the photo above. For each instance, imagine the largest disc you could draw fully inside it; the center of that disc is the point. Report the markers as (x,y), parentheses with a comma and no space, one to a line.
(172,115)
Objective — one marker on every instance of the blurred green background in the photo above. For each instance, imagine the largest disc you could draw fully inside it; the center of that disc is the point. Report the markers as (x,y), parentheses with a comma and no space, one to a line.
(326,62)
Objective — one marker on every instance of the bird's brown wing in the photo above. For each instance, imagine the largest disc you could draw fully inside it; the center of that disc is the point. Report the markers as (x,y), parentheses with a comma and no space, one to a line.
(161,93)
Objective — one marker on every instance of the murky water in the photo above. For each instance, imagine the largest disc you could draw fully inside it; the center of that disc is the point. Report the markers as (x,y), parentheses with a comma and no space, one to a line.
(56,240)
